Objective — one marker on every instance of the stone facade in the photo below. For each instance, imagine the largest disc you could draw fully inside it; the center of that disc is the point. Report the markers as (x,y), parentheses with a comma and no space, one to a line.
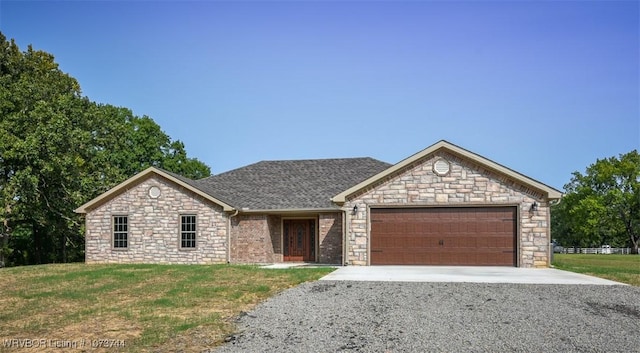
(154,230)
(465,184)
(154,227)
(154,201)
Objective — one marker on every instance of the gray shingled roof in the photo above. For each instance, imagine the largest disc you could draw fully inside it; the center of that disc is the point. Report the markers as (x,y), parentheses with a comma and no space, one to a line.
(183,179)
(298,184)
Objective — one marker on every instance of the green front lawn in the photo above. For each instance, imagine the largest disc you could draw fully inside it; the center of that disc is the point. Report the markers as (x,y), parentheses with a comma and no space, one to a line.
(621,268)
(133,308)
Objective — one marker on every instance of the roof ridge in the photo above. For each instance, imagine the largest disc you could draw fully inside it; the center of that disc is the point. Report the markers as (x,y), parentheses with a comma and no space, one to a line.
(315,159)
(292,160)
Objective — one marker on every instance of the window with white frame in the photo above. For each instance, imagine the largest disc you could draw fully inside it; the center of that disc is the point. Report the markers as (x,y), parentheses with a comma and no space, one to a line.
(187,231)
(120,232)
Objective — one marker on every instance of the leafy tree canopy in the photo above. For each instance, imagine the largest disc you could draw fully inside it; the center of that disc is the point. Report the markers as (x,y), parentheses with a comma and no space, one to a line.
(58,150)
(601,206)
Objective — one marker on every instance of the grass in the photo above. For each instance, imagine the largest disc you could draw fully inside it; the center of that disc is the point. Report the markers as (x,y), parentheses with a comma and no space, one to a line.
(620,268)
(145,308)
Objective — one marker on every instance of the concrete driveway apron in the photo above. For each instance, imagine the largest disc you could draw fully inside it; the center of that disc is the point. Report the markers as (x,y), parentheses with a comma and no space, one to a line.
(470,274)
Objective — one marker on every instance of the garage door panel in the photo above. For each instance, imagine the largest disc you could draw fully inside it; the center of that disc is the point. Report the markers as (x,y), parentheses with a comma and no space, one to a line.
(444,236)
(470,258)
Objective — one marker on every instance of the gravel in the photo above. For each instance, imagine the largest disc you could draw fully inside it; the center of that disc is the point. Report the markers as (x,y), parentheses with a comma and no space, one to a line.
(330,316)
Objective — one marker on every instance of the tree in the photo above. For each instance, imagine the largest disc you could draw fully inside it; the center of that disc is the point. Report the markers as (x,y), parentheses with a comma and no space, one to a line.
(40,131)
(58,150)
(124,144)
(602,205)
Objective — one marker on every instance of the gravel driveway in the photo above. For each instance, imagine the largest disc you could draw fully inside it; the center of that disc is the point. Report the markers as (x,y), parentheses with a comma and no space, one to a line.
(332,316)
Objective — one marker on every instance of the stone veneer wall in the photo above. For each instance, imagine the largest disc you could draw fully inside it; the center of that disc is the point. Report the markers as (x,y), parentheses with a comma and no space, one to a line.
(154,227)
(466,184)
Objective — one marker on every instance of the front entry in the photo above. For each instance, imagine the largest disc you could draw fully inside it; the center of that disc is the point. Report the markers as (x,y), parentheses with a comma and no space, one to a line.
(299,240)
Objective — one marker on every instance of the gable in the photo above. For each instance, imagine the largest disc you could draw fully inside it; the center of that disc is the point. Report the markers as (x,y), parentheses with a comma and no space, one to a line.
(171,178)
(510,177)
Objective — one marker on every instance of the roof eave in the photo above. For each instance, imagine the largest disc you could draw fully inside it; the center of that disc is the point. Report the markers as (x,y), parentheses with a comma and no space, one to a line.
(288,210)
(555,195)
(123,186)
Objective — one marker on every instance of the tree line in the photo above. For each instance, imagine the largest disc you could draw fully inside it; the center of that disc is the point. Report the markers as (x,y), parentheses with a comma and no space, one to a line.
(601,206)
(58,149)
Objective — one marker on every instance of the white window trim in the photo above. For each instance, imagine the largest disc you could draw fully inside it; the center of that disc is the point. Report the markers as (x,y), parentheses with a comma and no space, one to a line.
(114,232)
(182,232)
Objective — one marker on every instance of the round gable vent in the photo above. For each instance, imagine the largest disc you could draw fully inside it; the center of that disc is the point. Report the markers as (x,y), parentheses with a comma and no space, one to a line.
(154,192)
(441,167)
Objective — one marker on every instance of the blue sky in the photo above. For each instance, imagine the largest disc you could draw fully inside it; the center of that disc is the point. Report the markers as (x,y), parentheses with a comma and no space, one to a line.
(542,87)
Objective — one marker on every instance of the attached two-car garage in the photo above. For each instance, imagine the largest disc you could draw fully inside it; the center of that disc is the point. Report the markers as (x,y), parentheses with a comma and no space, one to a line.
(444,236)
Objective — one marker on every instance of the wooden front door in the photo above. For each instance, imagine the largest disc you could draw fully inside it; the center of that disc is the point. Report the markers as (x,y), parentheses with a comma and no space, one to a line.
(299,240)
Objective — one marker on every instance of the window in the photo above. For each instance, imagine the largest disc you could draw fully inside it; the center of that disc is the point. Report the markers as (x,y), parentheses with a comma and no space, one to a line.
(187,231)
(120,232)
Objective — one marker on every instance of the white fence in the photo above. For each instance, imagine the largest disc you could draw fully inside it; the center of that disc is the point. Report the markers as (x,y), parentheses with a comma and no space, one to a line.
(623,251)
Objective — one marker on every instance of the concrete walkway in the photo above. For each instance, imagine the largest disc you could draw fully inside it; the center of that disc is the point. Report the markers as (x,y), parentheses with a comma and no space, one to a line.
(475,274)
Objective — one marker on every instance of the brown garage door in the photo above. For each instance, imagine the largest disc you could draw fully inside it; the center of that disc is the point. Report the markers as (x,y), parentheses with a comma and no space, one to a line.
(444,236)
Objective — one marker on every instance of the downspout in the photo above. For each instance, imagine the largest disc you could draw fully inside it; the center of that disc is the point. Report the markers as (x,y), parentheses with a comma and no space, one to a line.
(229,236)
(551,203)
(549,246)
